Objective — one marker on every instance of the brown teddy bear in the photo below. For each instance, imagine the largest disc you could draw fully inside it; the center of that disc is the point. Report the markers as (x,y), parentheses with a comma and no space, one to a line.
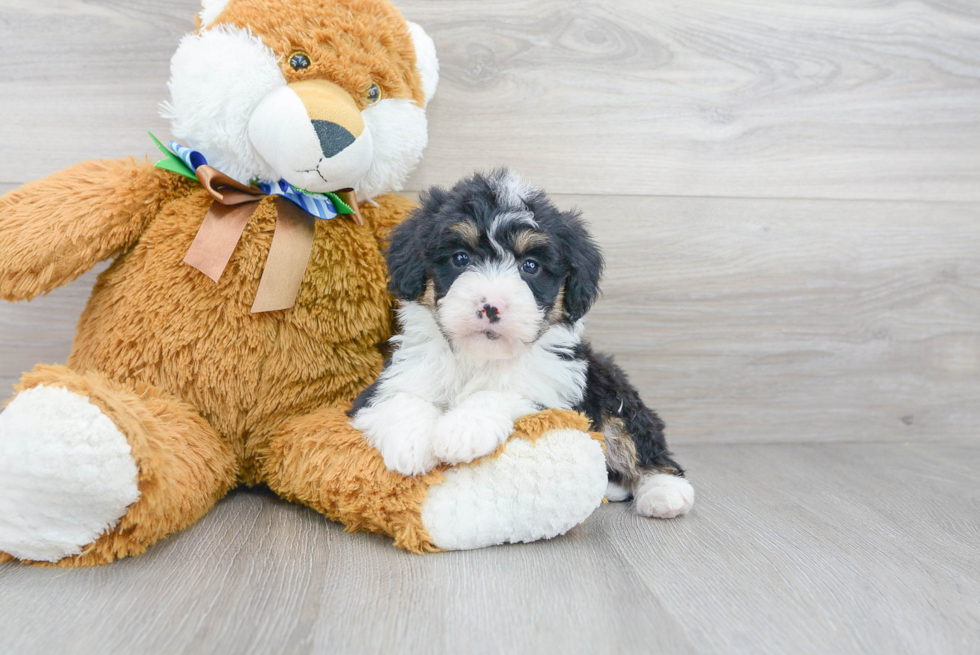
(247,305)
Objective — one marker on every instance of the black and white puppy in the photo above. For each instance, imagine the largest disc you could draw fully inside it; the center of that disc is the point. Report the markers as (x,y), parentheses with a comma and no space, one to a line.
(494,281)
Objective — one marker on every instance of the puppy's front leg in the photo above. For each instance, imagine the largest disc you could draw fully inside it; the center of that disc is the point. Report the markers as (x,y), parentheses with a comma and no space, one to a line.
(478,425)
(401,428)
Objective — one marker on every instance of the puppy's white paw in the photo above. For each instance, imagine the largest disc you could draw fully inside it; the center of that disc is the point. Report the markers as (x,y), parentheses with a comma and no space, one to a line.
(464,434)
(401,429)
(409,456)
(664,496)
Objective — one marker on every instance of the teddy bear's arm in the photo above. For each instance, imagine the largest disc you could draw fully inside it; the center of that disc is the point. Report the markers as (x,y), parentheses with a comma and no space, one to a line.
(55,229)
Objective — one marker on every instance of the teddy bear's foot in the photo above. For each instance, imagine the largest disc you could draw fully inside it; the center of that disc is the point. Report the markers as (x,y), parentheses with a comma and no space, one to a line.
(546,479)
(92,469)
(533,489)
(67,474)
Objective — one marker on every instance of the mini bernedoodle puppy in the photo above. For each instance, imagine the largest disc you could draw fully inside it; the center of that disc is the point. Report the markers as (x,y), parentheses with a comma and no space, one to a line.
(494,281)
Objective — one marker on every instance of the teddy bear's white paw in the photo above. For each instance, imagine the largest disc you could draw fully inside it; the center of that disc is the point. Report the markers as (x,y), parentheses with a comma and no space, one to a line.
(533,490)
(664,496)
(464,434)
(67,474)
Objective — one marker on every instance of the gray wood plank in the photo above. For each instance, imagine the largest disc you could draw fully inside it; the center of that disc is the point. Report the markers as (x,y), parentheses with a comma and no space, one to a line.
(83,80)
(747,320)
(820,549)
(843,548)
(782,320)
(259,574)
(823,99)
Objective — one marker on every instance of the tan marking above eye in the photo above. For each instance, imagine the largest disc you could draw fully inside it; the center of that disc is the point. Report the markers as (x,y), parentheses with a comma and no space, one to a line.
(468,230)
(528,239)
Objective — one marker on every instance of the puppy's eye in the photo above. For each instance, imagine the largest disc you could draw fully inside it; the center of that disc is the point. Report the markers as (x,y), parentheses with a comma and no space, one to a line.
(530,267)
(373,95)
(299,60)
(460,259)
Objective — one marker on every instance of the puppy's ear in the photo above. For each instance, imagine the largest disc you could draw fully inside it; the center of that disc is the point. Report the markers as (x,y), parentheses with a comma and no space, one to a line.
(406,263)
(585,261)
(406,255)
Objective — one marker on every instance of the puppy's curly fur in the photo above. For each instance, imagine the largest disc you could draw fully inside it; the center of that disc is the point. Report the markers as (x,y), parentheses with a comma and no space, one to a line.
(494,281)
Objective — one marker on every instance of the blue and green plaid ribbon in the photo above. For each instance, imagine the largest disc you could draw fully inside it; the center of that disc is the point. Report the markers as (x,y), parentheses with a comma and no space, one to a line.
(320,205)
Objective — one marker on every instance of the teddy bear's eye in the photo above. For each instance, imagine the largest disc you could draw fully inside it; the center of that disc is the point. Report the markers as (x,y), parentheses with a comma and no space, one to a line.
(299,60)
(373,95)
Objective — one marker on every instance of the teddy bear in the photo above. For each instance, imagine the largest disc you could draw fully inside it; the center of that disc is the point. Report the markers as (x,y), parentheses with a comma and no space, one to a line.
(246,305)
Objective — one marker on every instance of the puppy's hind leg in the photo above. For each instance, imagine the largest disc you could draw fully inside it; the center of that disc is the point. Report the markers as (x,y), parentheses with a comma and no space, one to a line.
(655,482)
(663,496)
(639,463)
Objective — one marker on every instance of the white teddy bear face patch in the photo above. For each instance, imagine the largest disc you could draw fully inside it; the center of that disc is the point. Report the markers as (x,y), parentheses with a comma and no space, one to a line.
(231,101)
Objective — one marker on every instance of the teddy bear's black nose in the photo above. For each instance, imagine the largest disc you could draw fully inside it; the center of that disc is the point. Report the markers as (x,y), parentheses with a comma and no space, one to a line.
(333,137)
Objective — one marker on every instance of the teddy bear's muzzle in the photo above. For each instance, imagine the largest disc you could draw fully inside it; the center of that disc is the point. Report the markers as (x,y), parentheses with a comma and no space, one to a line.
(313,135)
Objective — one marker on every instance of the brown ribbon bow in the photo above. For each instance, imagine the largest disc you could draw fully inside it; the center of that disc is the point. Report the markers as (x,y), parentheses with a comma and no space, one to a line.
(292,242)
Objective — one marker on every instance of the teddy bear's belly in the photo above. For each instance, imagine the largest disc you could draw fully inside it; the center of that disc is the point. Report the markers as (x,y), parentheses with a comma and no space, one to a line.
(155,320)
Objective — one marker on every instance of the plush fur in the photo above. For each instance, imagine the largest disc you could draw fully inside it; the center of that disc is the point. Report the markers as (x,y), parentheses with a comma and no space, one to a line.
(494,281)
(235,93)
(457,515)
(207,394)
(321,461)
(184,466)
(217,80)
(91,481)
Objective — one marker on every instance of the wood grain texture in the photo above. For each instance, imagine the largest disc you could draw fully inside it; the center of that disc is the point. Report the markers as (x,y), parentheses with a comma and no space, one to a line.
(830,548)
(837,99)
(775,320)
(747,320)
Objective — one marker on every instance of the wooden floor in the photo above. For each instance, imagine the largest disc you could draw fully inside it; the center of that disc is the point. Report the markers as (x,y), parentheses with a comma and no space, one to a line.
(831,548)
(788,194)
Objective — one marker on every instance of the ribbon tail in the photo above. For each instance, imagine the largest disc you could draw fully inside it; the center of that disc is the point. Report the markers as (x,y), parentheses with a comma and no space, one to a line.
(349,199)
(289,254)
(216,239)
(224,189)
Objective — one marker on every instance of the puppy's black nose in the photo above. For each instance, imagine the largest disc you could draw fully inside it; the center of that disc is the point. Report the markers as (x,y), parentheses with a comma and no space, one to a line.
(333,137)
(491,312)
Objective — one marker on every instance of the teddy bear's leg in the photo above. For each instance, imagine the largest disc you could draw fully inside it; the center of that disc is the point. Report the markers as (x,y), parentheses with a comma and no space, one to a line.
(549,477)
(92,470)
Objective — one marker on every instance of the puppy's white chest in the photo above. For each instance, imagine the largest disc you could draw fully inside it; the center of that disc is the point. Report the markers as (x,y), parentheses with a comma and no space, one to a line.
(539,376)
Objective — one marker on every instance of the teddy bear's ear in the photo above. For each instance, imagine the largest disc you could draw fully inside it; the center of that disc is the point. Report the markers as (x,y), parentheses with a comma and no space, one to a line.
(210,10)
(425,54)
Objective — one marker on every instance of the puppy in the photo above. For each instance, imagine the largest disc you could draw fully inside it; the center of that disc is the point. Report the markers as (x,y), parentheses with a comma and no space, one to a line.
(494,281)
